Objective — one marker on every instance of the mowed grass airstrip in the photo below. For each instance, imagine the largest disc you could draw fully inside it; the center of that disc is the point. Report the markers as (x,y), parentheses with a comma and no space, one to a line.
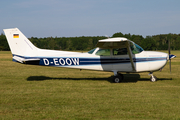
(37,92)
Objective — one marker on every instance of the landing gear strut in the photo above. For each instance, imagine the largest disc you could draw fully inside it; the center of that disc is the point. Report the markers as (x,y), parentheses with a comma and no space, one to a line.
(117,77)
(152,78)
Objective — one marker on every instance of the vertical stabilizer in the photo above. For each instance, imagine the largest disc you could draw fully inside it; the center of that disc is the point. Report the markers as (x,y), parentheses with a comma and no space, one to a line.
(19,44)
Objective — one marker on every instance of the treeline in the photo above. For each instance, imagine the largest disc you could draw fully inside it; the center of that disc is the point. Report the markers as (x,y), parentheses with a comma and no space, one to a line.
(66,43)
(156,42)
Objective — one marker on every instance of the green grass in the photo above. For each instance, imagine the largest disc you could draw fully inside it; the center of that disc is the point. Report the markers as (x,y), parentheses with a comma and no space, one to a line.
(36,92)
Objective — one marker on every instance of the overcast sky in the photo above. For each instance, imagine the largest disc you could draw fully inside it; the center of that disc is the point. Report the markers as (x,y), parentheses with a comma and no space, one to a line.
(71,18)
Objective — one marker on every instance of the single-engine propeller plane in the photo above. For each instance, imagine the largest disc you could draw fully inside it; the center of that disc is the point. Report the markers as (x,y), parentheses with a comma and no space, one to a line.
(113,54)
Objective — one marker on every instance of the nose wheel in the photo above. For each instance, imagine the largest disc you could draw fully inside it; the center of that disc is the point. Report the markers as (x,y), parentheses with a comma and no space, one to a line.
(152,78)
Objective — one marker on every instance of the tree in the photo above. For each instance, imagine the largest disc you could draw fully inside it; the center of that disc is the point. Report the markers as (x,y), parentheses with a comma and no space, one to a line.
(3,43)
(119,34)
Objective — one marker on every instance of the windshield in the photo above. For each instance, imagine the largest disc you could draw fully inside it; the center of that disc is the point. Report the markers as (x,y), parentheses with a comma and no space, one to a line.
(136,48)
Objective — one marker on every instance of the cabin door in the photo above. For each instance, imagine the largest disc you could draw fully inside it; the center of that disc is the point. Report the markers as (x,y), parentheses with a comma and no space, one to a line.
(121,60)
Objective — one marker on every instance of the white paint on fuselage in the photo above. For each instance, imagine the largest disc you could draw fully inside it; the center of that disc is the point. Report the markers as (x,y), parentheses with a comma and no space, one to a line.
(140,66)
(151,65)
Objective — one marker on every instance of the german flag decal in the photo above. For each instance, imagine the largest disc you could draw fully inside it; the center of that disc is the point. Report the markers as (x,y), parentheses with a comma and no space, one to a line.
(15,35)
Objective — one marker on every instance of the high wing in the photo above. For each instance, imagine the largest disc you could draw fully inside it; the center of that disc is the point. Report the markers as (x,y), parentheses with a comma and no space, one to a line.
(113,43)
(117,43)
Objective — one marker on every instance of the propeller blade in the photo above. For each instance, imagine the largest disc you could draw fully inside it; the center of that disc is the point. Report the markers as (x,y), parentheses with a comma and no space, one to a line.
(170,65)
(169,51)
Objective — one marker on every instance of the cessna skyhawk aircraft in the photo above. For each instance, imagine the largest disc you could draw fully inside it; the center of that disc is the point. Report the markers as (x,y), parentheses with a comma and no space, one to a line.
(113,54)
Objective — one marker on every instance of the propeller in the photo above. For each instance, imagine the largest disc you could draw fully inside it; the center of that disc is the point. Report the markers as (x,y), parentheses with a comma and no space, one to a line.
(169,52)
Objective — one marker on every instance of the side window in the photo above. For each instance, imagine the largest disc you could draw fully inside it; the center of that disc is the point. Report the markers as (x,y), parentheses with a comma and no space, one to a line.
(103,52)
(120,51)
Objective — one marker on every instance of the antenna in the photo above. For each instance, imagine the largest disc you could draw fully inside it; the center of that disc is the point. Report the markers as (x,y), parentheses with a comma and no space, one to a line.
(107,36)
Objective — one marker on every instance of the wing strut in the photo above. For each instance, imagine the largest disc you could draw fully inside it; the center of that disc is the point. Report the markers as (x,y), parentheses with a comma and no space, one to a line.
(130,56)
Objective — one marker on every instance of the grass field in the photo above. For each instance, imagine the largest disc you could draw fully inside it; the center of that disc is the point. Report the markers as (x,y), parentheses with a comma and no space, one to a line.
(36,92)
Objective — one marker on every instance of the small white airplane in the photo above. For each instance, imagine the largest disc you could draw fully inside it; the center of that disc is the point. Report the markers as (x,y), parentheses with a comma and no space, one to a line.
(113,54)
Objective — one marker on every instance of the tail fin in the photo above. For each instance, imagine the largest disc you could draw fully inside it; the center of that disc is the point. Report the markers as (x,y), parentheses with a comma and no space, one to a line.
(19,44)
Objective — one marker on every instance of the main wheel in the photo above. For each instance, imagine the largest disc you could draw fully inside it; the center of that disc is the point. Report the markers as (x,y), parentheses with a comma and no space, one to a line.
(153,79)
(117,79)
(119,74)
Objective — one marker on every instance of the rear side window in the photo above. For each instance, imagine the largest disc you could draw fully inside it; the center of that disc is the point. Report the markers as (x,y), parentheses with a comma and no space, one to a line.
(103,52)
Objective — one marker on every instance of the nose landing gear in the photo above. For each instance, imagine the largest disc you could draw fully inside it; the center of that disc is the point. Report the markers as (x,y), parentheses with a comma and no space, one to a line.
(152,78)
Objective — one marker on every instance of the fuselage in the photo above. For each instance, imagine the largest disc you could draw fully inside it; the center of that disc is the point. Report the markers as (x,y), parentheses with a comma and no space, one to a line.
(143,61)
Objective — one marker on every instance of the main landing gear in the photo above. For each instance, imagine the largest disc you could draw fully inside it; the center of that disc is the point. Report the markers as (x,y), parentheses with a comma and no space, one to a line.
(117,77)
(152,78)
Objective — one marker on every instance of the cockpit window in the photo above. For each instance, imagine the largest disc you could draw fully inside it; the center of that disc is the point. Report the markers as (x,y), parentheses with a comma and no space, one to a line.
(120,51)
(91,51)
(135,48)
(103,52)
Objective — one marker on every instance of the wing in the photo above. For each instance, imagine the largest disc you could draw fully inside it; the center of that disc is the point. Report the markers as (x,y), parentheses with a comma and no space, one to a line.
(113,43)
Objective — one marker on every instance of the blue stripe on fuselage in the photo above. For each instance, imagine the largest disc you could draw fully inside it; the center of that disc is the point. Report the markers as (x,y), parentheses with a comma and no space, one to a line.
(92,61)
(72,61)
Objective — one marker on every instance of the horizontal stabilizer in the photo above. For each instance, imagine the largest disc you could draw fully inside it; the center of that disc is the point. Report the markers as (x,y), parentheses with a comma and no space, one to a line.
(23,60)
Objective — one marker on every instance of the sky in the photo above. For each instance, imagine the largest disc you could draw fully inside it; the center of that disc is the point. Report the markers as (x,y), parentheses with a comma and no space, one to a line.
(74,18)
